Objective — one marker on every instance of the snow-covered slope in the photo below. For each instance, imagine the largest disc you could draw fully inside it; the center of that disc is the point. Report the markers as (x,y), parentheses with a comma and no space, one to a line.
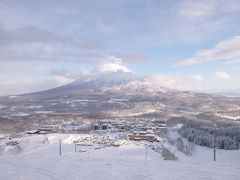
(131,162)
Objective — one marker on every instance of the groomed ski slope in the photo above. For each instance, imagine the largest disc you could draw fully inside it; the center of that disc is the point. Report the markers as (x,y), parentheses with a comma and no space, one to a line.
(40,161)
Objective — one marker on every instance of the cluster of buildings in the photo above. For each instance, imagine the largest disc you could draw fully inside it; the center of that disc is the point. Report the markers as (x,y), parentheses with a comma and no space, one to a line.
(137,130)
(142,135)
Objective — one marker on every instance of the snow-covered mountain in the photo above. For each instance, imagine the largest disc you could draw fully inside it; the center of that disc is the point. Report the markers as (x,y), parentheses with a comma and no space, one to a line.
(115,91)
(108,78)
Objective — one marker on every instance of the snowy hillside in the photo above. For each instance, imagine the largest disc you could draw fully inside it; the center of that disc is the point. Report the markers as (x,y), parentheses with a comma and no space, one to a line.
(39,159)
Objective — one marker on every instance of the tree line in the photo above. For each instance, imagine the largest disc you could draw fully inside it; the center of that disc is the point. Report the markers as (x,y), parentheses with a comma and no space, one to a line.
(220,137)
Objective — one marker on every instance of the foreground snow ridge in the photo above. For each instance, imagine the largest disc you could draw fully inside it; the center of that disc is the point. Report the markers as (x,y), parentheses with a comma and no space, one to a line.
(39,160)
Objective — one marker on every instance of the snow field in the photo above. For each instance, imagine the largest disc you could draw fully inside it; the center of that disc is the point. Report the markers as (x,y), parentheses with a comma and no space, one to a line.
(40,160)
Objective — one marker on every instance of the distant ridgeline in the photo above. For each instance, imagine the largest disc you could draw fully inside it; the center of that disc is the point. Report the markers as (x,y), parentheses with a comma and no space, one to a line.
(225,137)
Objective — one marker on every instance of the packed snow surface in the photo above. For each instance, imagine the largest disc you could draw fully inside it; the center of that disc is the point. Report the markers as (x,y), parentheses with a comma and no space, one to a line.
(40,160)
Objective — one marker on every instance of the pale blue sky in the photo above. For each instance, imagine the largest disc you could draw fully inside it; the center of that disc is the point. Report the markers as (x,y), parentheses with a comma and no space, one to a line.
(45,43)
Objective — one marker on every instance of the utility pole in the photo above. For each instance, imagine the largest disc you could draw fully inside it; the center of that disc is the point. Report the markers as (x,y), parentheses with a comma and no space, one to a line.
(214,151)
(145,152)
(214,147)
(60,147)
(238,150)
(214,142)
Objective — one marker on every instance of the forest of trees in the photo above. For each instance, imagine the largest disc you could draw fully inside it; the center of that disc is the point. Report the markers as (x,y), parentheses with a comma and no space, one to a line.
(225,137)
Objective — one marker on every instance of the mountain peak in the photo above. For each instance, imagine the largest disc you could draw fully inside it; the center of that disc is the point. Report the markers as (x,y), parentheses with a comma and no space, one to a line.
(114,64)
(114,67)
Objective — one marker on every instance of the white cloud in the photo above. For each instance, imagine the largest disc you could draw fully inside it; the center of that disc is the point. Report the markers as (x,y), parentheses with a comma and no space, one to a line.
(203,9)
(64,76)
(222,75)
(197,84)
(160,80)
(197,77)
(227,50)
(61,80)
(113,67)
(19,85)
(113,64)
(196,9)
